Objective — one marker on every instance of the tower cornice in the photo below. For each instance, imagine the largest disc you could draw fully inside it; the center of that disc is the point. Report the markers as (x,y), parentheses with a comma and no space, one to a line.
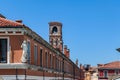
(55,24)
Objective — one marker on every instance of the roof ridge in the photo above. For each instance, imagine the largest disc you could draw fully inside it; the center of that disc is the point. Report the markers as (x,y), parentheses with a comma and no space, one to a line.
(112,62)
(7,22)
(2,16)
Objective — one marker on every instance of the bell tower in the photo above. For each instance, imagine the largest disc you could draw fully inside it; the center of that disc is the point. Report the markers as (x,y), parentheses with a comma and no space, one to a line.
(55,35)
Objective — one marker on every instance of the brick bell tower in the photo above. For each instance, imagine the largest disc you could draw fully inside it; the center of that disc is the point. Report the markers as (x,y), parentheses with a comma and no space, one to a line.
(55,35)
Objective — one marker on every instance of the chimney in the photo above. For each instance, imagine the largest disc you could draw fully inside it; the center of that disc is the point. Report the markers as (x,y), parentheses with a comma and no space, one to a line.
(65,50)
(100,65)
(77,62)
(68,53)
(87,67)
(19,21)
(81,67)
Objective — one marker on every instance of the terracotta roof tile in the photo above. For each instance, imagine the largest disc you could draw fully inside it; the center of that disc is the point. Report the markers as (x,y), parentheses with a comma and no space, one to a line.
(5,23)
(2,16)
(115,64)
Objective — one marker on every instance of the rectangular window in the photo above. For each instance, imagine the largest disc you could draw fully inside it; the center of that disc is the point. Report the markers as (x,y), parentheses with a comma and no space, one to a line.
(3,50)
(56,62)
(41,57)
(117,72)
(46,57)
(28,51)
(105,74)
(35,54)
(53,63)
(50,60)
(61,65)
(101,73)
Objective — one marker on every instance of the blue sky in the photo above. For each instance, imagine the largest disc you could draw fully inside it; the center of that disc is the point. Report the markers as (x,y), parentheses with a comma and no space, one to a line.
(91,28)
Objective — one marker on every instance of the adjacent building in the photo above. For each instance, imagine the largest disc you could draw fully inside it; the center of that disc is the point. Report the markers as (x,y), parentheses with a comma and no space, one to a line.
(25,55)
(109,71)
(88,73)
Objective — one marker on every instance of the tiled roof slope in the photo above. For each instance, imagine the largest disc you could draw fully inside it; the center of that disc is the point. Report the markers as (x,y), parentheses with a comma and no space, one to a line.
(2,16)
(115,64)
(5,23)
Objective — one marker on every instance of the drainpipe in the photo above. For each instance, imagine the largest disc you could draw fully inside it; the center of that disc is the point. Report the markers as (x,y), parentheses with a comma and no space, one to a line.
(55,75)
(63,68)
(25,74)
(43,75)
(16,74)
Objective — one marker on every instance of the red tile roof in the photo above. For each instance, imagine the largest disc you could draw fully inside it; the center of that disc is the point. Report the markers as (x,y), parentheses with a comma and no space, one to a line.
(5,23)
(2,16)
(115,64)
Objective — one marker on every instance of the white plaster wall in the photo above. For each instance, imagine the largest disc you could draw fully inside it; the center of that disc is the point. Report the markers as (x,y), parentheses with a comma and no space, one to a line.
(22,77)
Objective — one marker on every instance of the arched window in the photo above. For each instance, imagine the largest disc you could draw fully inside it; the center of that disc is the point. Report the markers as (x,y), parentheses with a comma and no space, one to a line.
(54,30)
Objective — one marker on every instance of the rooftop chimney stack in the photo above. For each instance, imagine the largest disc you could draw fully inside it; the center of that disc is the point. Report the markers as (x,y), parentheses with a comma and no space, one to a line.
(87,67)
(19,21)
(100,65)
(81,67)
(77,62)
(68,53)
(65,50)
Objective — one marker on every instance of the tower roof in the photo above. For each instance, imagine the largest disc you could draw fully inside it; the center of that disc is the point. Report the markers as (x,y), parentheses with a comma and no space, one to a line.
(55,23)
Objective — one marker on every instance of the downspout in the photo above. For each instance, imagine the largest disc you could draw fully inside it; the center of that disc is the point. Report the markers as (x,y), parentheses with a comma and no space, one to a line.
(43,75)
(25,74)
(55,75)
(63,68)
(16,74)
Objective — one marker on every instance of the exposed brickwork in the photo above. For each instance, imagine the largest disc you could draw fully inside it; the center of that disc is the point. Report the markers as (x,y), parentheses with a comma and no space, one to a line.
(55,23)
(55,35)
(53,63)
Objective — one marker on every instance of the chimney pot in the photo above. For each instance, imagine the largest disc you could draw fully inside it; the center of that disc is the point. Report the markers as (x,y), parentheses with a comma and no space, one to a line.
(19,21)
(68,50)
(65,46)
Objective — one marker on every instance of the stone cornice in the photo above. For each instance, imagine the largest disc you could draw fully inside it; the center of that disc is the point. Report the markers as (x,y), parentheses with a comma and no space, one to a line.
(27,31)
(55,24)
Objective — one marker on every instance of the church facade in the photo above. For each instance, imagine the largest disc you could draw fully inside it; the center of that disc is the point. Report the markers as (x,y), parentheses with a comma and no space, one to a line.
(25,55)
